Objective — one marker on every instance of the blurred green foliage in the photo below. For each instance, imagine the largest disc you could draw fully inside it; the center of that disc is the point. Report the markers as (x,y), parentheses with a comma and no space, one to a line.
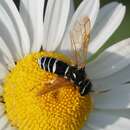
(77,2)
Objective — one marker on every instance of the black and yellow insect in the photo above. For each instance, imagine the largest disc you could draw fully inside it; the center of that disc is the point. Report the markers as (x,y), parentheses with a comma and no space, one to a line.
(79,36)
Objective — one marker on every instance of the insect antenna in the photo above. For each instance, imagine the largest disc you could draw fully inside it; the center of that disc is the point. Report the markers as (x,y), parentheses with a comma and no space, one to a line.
(127,82)
(97,92)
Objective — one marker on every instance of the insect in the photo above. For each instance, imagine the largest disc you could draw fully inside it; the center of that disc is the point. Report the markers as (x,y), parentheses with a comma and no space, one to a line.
(79,35)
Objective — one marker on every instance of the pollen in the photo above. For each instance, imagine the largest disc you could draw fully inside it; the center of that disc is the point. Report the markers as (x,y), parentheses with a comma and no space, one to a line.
(28,109)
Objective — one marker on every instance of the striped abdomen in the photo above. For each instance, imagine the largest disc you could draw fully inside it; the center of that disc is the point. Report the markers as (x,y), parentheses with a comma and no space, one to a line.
(53,65)
(78,76)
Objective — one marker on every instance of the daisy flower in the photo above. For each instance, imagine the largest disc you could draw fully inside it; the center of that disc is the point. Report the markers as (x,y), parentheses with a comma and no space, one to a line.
(24,38)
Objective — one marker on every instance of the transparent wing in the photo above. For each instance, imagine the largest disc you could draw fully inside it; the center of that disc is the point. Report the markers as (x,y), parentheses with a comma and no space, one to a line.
(80,35)
(57,84)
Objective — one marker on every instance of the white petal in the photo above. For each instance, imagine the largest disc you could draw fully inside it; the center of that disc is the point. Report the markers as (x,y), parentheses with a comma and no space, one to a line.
(9,127)
(7,53)
(1,90)
(113,81)
(106,121)
(10,7)
(88,8)
(55,22)
(116,98)
(109,19)
(3,71)
(9,34)
(110,61)
(32,13)
(72,10)
(71,13)
(2,109)
(3,122)
(116,112)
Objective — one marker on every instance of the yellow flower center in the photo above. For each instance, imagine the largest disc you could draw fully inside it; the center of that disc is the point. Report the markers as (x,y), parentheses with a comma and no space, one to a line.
(27,109)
